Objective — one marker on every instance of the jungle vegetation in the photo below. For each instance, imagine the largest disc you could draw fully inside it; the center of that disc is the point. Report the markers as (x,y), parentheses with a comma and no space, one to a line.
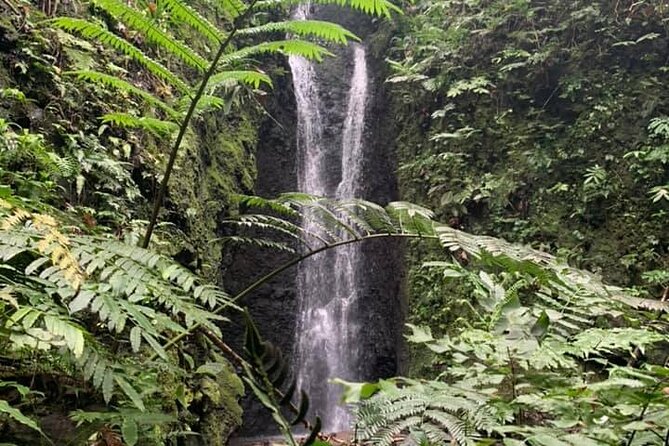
(540,126)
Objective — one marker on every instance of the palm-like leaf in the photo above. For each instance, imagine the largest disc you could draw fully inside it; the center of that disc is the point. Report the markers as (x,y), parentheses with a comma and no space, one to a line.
(119,84)
(153,33)
(318,28)
(95,32)
(228,78)
(301,48)
(380,8)
(189,16)
(157,127)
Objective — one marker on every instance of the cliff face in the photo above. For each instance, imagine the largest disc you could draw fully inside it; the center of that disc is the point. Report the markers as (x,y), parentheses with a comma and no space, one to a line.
(275,306)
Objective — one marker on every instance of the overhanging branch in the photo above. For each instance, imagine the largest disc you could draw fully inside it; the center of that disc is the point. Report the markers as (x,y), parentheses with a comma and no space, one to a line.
(267,277)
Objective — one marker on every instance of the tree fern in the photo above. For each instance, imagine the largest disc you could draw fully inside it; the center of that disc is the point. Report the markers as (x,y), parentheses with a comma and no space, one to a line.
(95,32)
(293,47)
(381,8)
(120,84)
(187,15)
(325,30)
(158,127)
(340,222)
(231,8)
(140,22)
(231,78)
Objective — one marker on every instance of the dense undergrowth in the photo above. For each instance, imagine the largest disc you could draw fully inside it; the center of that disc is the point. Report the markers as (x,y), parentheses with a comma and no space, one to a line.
(541,122)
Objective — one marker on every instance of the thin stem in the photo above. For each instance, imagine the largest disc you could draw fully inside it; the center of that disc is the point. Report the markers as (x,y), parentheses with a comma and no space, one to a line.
(11,6)
(643,413)
(183,128)
(636,354)
(267,277)
(241,362)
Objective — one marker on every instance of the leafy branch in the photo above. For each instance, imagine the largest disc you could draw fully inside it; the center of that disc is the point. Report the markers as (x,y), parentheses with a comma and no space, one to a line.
(185,123)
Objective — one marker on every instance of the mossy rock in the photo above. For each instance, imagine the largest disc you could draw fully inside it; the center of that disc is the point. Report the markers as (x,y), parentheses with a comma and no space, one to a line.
(219,394)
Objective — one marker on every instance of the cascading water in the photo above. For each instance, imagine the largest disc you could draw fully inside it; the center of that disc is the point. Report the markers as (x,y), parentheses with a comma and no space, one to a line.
(328,284)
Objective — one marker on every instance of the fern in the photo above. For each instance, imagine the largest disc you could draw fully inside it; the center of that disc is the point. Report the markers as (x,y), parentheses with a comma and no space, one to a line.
(301,48)
(230,8)
(381,8)
(346,221)
(153,33)
(231,78)
(324,30)
(119,84)
(158,127)
(17,148)
(189,16)
(95,32)
(132,293)
(443,413)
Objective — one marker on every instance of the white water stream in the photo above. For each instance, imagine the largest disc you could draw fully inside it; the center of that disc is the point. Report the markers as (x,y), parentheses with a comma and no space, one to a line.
(329,283)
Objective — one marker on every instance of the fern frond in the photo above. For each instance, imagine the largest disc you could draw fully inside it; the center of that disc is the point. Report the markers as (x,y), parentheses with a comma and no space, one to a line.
(230,8)
(443,414)
(380,8)
(124,281)
(387,436)
(206,103)
(259,242)
(95,32)
(139,22)
(187,15)
(293,47)
(277,206)
(436,435)
(231,78)
(329,31)
(451,424)
(119,84)
(261,221)
(156,126)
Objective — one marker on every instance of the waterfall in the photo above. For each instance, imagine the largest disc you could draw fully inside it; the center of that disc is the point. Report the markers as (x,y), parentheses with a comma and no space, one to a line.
(328,284)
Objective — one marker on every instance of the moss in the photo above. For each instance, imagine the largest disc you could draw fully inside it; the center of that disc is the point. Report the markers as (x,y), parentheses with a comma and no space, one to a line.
(223,414)
(216,164)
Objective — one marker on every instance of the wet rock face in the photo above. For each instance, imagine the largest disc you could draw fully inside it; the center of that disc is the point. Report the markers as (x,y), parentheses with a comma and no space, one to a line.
(275,307)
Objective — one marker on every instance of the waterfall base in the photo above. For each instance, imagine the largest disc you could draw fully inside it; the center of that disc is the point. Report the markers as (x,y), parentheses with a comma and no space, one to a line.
(340,438)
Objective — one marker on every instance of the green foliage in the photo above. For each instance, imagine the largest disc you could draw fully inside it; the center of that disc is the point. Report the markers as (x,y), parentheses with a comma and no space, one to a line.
(538,353)
(128,421)
(540,357)
(164,41)
(265,374)
(59,287)
(7,409)
(542,123)
(434,411)
(532,121)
